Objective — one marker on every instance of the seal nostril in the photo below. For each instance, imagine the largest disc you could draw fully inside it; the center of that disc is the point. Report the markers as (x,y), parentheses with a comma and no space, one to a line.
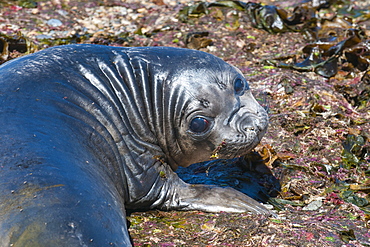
(249,124)
(249,128)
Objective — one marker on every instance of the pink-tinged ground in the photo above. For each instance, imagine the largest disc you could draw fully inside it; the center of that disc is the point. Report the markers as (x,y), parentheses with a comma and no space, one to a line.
(322,186)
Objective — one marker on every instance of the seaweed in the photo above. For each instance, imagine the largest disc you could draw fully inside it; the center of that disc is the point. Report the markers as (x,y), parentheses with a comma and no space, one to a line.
(327,57)
(354,151)
(197,40)
(334,43)
(15,44)
(267,17)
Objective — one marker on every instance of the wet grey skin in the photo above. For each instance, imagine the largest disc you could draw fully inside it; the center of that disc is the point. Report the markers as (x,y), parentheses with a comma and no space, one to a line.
(88,132)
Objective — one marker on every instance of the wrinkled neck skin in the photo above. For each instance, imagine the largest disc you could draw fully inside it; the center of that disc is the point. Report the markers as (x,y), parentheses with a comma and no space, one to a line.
(95,105)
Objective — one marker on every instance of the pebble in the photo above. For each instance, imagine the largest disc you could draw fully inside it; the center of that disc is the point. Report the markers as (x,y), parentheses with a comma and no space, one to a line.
(54,23)
(43,36)
(62,12)
(312,206)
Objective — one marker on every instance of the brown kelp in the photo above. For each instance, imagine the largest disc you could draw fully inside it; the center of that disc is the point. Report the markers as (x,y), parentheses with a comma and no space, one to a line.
(335,44)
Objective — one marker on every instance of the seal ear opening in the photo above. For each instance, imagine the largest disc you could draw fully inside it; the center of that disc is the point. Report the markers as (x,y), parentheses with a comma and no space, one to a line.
(205,103)
(240,86)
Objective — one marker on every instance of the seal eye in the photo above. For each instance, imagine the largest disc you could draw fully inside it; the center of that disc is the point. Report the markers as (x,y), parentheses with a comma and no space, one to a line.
(199,125)
(239,87)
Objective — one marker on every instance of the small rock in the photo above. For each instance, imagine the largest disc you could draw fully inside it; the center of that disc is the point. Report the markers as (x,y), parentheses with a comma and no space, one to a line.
(312,206)
(43,36)
(54,23)
(35,11)
(62,12)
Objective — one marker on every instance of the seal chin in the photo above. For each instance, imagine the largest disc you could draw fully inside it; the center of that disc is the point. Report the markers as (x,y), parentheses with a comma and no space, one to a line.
(235,150)
(239,146)
(246,138)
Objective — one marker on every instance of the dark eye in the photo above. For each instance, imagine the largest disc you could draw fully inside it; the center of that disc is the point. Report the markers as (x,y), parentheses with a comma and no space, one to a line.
(199,125)
(240,86)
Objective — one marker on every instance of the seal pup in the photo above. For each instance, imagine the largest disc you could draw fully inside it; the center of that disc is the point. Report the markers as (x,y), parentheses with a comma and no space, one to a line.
(89,131)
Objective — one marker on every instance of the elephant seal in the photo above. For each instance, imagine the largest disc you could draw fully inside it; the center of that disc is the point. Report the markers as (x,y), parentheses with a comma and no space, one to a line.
(90,131)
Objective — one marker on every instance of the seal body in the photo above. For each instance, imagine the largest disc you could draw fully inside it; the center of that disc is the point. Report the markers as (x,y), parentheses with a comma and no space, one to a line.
(90,131)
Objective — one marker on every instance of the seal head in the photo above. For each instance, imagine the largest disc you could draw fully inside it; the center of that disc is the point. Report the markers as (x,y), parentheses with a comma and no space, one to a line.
(221,119)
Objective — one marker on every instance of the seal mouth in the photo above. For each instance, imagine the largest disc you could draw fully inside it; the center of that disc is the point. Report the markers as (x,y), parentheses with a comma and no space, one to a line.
(247,137)
(229,149)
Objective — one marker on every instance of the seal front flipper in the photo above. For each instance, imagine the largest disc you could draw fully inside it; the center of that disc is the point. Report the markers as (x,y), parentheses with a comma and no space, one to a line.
(211,198)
